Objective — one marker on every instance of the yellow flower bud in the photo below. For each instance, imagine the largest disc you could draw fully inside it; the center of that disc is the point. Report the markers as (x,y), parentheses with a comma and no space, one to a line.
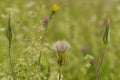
(56,7)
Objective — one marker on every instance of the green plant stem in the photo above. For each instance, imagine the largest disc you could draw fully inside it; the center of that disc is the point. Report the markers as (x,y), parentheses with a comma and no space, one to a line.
(49,70)
(10,61)
(100,65)
(39,61)
(43,40)
(60,73)
(42,45)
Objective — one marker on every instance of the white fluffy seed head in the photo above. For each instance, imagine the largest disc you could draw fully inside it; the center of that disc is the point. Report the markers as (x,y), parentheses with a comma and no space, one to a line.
(60,46)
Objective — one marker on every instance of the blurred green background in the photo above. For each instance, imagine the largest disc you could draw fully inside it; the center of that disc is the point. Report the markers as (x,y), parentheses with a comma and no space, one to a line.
(79,22)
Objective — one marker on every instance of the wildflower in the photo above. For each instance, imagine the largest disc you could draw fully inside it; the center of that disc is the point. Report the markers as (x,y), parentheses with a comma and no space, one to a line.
(45,21)
(105,40)
(9,37)
(60,47)
(56,7)
(85,49)
(9,31)
(106,33)
(106,22)
(54,10)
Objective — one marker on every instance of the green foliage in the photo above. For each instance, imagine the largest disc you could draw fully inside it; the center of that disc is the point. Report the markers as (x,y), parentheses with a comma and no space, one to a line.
(79,22)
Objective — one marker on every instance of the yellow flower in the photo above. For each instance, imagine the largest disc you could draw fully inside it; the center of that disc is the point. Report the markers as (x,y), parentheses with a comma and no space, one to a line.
(56,7)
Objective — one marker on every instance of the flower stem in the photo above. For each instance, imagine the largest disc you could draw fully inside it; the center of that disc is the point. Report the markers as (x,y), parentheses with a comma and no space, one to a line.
(10,61)
(42,45)
(100,65)
(60,73)
(49,70)
(39,62)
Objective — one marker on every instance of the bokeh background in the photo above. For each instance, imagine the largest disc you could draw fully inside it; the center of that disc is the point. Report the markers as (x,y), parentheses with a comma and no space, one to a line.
(79,22)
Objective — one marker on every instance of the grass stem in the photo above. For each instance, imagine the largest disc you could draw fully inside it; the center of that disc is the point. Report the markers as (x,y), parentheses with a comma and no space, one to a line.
(100,65)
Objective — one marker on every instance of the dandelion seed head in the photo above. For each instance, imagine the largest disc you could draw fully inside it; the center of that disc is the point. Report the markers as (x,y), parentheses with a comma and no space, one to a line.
(60,46)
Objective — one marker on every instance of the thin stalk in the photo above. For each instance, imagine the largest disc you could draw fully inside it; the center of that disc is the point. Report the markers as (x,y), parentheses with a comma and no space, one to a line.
(49,70)
(44,36)
(42,45)
(39,61)
(60,73)
(100,65)
(10,61)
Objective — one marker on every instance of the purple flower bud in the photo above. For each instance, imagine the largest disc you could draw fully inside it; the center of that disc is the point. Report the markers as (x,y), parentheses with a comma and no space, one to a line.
(46,20)
(92,61)
(85,49)
(106,22)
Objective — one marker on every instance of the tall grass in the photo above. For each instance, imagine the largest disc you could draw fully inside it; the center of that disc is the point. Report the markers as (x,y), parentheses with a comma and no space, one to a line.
(78,22)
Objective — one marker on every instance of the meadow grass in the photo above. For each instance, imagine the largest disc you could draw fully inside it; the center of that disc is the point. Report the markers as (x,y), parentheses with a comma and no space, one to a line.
(78,22)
